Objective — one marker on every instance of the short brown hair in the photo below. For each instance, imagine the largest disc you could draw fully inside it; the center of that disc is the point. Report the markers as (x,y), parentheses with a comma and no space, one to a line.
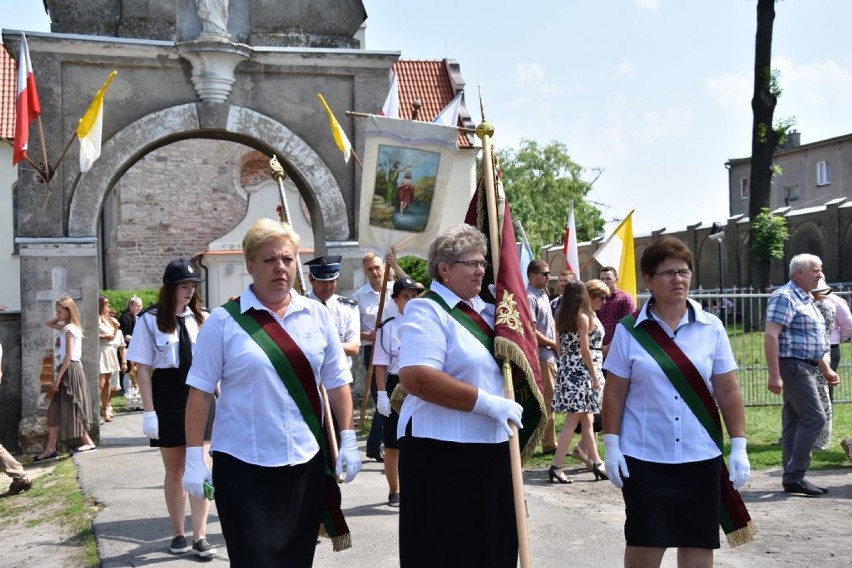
(661,250)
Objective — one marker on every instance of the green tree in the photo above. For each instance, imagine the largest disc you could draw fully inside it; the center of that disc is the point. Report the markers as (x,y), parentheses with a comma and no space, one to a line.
(541,182)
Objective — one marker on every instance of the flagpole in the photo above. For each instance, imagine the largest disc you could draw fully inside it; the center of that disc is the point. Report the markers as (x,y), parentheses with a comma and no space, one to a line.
(485,131)
(355,114)
(47,175)
(65,151)
(279,175)
(28,159)
(369,380)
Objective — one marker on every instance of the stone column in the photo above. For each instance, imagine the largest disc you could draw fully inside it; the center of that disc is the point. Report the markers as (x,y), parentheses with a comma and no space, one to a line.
(52,268)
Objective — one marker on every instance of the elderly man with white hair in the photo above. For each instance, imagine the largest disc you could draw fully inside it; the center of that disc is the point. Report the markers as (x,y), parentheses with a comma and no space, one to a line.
(795,343)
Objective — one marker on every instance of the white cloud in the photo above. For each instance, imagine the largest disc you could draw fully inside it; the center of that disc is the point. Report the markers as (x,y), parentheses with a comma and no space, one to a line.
(648,5)
(731,90)
(529,74)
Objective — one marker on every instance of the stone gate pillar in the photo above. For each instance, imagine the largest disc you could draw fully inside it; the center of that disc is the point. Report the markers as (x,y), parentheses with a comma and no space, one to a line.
(52,268)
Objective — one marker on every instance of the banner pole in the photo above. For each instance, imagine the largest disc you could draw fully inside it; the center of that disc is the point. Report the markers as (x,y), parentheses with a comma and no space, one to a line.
(485,131)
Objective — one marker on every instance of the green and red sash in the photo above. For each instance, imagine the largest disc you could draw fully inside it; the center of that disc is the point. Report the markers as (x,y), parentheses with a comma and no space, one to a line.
(473,322)
(689,384)
(295,371)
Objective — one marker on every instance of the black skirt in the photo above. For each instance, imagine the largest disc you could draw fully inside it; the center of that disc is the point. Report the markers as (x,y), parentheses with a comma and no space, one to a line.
(270,515)
(456,493)
(170,393)
(673,505)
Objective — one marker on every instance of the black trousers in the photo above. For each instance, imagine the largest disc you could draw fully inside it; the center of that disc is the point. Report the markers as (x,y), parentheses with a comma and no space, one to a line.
(270,515)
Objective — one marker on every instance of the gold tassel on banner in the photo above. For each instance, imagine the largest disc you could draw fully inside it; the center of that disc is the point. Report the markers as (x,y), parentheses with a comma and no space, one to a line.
(743,535)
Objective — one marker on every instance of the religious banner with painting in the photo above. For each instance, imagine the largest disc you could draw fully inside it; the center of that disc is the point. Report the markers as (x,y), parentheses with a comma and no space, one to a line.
(407,169)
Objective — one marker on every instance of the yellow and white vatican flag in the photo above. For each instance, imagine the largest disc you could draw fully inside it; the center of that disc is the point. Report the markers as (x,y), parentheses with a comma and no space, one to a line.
(90,128)
(407,170)
(618,252)
(340,138)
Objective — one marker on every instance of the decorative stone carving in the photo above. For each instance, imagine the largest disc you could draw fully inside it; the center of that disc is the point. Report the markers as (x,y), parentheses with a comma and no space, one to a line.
(213,59)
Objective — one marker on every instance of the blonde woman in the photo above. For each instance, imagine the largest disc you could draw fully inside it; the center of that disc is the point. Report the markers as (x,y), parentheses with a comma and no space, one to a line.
(68,415)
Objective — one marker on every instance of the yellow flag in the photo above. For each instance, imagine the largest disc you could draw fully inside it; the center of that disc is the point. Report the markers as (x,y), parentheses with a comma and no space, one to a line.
(618,251)
(90,127)
(340,137)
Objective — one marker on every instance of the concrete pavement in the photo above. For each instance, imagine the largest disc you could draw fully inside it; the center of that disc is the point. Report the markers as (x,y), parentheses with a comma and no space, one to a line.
(579,524)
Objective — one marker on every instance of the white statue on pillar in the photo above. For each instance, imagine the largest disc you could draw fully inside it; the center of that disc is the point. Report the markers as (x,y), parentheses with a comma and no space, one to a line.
(214,17)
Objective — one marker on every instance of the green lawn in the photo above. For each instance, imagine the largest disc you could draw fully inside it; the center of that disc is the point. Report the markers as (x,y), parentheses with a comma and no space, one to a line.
(763,424)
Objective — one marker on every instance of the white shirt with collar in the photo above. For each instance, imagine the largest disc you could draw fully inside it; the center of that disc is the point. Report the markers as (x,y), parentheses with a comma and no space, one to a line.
(387,345)
(657,425)
(368,306)
(347,319)
(429,336)
(257,421)
(159,350)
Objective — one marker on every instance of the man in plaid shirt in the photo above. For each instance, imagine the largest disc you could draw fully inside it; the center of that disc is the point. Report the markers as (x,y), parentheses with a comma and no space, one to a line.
(796,346)
(617,305)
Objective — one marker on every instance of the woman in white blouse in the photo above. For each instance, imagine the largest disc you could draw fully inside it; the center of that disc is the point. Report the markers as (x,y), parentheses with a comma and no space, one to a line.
(162,348)
(454,425)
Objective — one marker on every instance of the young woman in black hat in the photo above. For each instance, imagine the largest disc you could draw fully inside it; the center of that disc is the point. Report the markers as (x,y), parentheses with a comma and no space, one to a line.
(162,348)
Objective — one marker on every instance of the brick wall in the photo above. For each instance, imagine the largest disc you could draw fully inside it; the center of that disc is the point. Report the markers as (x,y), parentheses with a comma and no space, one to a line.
(171,204)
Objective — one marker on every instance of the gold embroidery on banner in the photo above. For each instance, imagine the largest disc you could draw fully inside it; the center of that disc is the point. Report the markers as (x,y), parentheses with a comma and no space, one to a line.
(507,313)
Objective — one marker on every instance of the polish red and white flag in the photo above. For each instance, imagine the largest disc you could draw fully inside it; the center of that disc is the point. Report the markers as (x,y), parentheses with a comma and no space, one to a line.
(27,104)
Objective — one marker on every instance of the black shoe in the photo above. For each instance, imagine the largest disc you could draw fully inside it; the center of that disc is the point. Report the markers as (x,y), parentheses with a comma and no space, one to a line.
(549,452)
(393,499)
(379,456)
(20,485)
(53,456)
(804,488)
(203,548)
(179,545)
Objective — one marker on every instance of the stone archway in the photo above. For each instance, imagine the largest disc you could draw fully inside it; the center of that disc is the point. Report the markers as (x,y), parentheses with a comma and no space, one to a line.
(308,171)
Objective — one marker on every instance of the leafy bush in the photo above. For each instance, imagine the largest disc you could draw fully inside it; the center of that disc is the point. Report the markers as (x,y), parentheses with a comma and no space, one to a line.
(118,298)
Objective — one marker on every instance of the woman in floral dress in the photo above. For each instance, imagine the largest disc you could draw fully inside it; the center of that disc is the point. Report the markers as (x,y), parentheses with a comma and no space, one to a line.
(579,380)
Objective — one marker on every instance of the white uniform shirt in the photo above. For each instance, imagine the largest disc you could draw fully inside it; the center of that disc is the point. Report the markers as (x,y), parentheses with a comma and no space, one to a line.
(257,421)
(657,425)
(386,351)
(429,336)
(347,320)
(368,306)
(159,350)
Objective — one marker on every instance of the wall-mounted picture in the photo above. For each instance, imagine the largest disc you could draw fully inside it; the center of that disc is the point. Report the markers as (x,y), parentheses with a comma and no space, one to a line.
(405,186)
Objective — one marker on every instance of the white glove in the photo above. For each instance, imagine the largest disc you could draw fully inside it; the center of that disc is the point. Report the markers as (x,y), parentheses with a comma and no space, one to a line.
(500,409)
(383,404)
(195,472)
(614,460)
(738,466)
(348,455)
(150,425)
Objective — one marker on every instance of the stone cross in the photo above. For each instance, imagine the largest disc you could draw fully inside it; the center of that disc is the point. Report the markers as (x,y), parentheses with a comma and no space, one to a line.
(59,277)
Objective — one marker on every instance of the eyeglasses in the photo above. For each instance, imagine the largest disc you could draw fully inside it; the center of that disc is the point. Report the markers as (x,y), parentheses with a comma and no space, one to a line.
(483,264)
(544,273)
(684,273)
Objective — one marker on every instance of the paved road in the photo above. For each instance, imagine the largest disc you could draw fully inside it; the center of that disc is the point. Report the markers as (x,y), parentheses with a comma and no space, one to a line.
(577,525)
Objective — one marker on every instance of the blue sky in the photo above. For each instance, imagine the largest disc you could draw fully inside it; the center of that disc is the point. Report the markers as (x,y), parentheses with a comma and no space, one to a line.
(656,93)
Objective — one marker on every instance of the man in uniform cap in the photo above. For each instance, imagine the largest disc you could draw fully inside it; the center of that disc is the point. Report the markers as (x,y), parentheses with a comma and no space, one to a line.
(324,271)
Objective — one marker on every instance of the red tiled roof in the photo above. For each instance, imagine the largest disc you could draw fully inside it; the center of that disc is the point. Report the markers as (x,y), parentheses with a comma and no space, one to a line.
(430,83)
(8,92)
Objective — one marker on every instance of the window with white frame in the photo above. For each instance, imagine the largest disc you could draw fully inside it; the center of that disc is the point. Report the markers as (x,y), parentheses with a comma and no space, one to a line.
(744,188)
(823,173)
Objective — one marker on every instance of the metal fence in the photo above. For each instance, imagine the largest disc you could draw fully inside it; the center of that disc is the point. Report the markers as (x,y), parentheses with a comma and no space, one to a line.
(744,316)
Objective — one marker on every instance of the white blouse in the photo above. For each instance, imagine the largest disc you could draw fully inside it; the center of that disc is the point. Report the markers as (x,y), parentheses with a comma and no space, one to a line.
(430,336)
